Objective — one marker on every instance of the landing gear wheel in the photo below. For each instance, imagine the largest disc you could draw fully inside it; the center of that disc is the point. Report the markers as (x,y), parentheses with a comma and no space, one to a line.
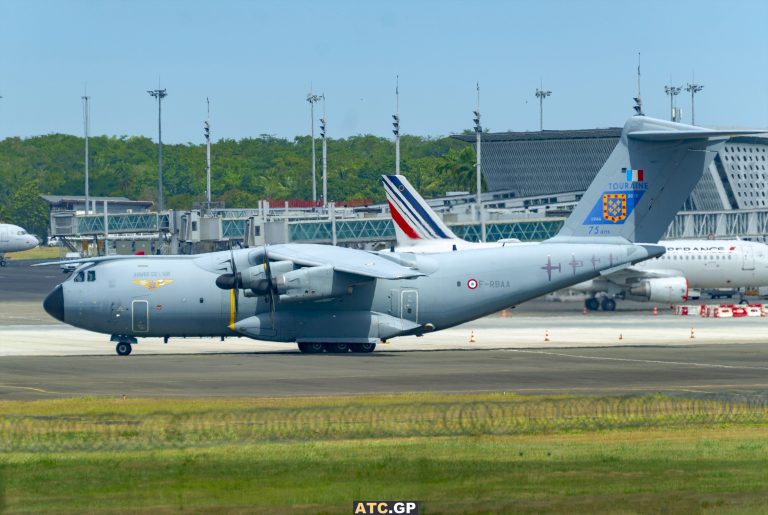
(609,305)
(336,348)
(311,348)
(592,304)
(123,348)
(3,262)
(363,347)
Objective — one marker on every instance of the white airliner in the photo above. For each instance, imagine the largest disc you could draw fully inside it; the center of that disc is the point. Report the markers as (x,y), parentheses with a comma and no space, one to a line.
(686,264)
(13,239)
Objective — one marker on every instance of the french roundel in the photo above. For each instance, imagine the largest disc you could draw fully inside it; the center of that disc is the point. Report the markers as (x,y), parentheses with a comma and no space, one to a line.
(472,284)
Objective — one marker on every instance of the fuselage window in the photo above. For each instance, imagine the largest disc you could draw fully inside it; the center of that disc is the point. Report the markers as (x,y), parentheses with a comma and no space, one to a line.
(91,275)
(79,277)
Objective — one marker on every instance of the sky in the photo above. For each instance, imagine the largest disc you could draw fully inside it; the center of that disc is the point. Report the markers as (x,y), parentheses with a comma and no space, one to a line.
(257,60)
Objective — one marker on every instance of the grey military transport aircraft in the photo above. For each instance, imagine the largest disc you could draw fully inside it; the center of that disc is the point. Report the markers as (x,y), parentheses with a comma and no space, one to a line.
(336,299)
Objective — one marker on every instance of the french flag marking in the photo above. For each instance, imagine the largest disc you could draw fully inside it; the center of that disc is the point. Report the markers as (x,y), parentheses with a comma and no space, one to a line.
(633,175)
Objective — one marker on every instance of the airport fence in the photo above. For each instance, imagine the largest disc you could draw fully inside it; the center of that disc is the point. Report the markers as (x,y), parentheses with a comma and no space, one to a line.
(516,416)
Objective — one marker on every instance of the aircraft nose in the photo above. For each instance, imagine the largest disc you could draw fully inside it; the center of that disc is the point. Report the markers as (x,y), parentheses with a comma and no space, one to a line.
(54,303)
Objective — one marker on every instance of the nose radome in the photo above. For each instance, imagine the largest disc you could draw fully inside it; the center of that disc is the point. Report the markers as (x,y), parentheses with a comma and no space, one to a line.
(54,303)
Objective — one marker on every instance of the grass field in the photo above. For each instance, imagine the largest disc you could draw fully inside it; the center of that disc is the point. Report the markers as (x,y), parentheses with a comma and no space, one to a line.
(41,252)
(455,453)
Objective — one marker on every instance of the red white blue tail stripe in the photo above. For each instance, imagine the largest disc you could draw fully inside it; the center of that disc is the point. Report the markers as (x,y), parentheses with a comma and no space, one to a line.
(411,213)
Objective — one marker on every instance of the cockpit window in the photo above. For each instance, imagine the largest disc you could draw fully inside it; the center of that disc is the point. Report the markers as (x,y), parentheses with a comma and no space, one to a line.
(79,277)
(91,275)
(21,233)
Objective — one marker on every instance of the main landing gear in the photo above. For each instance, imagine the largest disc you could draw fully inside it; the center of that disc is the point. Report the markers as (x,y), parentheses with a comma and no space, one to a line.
(592,304)
(336,348)
(124,344)
(3,261)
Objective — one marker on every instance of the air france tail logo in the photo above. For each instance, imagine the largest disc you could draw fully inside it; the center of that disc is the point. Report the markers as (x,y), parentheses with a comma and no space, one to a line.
(614,206)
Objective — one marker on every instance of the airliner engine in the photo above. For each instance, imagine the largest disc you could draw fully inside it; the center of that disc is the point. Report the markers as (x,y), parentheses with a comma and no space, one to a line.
(666,289)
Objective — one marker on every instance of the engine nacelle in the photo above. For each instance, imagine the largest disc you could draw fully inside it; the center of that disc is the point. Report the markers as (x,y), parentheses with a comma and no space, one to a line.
(254,279)
(312,283)
(664,289)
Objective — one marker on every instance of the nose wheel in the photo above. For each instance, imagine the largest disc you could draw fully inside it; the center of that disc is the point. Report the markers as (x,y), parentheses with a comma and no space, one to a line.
(123,348)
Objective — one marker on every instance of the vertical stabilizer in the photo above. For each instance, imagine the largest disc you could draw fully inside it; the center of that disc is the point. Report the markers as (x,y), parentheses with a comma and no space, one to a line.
(645,180)
(415,221)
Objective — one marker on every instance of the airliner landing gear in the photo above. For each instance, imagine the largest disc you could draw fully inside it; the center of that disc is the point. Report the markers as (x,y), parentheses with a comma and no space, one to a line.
(591,304)
(3,261)
(608,304)
(311,348)
(363,347)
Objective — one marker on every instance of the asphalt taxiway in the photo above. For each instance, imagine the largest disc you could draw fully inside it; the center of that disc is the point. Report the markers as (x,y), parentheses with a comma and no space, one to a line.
(704,369)
(541,347)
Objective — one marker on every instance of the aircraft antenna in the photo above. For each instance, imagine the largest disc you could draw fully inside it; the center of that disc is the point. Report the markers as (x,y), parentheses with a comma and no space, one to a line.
(638,107)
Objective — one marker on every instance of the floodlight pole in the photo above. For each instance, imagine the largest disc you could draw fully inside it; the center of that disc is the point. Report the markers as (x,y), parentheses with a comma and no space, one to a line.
(325,156)
(208,154)
(312,99)
(541,95)
(86,123)
(159,94)
(672,91)
(397,125)
(478,135)
(693,88)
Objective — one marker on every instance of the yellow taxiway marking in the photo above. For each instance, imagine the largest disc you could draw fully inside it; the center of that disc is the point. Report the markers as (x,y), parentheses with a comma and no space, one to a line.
(32,389)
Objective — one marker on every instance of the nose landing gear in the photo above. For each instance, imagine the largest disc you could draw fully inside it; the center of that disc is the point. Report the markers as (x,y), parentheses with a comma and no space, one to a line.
(124,344)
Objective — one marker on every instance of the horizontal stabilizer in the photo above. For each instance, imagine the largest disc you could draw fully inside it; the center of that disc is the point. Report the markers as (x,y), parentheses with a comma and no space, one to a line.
(688,135)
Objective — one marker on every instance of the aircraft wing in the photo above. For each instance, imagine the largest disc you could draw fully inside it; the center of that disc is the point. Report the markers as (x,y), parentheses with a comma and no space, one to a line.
(100,259)
(342,259)
(633,274)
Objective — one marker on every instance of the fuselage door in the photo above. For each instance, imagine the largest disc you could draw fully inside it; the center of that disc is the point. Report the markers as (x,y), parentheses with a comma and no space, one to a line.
(140,316)
(409,305)
(749,258)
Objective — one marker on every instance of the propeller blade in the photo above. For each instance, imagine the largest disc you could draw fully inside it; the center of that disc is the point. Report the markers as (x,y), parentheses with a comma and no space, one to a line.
(235,281)
(271,286)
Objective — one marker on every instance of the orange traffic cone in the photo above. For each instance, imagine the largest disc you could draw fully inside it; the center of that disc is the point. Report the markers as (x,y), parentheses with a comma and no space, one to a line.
(584,311)
(655,311)
(472,337)
(546,335)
